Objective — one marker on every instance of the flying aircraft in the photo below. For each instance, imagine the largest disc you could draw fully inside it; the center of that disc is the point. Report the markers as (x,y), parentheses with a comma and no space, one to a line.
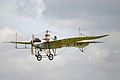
(49,45)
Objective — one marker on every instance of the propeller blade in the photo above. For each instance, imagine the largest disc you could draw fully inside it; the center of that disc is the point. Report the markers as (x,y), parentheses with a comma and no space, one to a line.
(32,49)
(32,45)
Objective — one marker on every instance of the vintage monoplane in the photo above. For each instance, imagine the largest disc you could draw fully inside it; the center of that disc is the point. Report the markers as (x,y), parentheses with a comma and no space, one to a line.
(49,45)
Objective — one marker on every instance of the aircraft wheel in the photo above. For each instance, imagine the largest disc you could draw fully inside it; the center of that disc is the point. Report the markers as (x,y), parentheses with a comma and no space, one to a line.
(50,56)
(39,57)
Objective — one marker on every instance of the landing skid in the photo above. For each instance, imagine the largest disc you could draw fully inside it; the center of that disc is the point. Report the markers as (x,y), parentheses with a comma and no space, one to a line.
(81,49)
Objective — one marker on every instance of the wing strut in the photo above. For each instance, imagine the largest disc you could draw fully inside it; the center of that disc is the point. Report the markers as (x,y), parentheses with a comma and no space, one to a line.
(79,31)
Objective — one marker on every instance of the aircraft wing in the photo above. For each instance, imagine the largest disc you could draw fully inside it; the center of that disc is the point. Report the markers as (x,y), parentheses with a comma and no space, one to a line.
(85,38)
(20,42)
(74,42)
(90,42)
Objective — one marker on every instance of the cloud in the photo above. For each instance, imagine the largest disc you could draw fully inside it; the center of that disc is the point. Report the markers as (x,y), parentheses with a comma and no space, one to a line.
(97,14)
(75,9)
(31,8)
(100,61)
(6,33)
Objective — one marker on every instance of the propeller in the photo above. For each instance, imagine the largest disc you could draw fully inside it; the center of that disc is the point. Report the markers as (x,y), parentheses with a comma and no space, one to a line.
(32,45)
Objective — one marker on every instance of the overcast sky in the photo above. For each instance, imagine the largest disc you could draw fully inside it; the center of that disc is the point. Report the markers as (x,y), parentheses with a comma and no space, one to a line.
(62,18)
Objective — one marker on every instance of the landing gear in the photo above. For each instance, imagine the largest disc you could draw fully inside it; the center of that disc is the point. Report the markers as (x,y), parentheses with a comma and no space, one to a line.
(38,56)
(50,56)
(48,53)
(54,51)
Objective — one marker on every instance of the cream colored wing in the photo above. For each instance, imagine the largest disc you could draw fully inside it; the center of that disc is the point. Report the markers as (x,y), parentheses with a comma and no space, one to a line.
(73,42)
(20,42)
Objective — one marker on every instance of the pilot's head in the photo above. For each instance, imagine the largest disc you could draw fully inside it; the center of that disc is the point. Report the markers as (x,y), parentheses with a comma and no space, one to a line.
(47,35)
(55,37)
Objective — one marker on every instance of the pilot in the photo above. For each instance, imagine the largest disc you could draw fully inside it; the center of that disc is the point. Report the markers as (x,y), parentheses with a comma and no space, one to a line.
(55,37)
(47,37)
